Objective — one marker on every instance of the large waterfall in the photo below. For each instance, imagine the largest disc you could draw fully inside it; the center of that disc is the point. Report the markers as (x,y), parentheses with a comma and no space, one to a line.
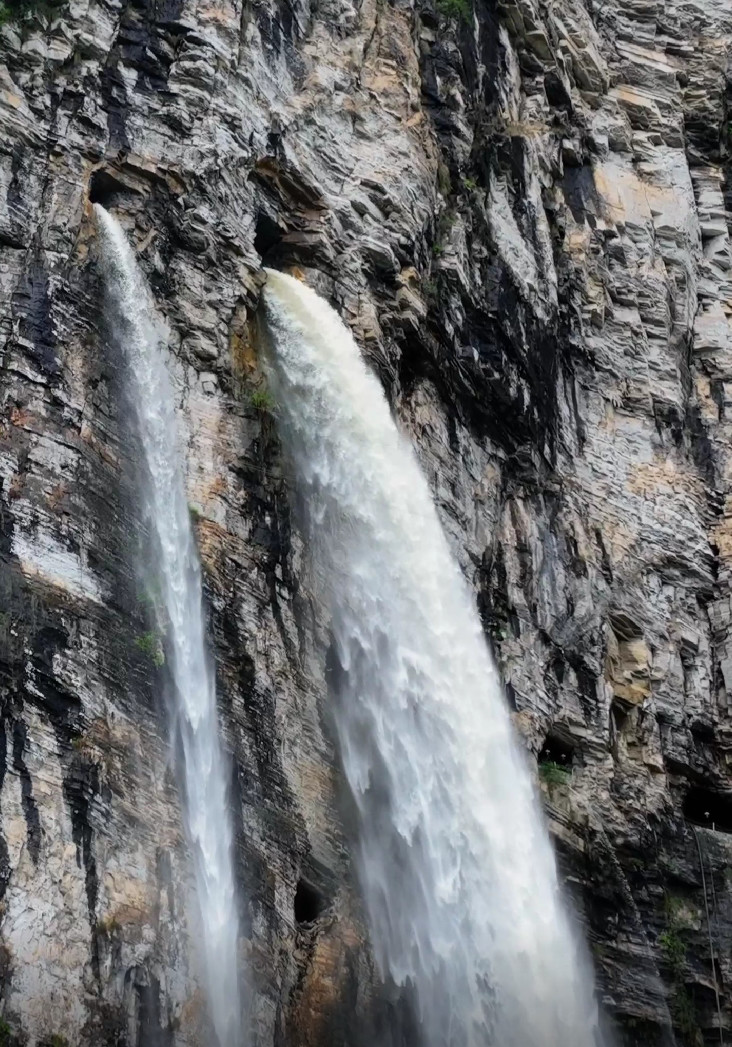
(140,335)
(456,867)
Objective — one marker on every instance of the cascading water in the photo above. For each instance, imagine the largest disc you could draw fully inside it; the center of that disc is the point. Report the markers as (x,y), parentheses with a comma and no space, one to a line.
(456,867)
(141,336)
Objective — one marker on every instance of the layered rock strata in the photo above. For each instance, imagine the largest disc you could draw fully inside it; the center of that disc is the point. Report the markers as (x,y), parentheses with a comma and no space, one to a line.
(523,211)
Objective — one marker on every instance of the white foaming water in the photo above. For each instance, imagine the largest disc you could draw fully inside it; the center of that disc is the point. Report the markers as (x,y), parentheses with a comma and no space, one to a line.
(141,336)
(456,867)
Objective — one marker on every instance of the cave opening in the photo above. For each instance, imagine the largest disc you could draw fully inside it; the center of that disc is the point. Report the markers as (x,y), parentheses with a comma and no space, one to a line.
(267,237)
(556,750)
(309,902)
(708,808)
(105,187)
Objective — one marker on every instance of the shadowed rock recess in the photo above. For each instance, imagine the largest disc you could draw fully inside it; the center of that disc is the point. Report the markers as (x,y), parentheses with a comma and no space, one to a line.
(522,209)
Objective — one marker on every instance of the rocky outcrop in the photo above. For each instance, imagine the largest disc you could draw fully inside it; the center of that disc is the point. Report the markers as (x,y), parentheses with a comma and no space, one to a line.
(520,209)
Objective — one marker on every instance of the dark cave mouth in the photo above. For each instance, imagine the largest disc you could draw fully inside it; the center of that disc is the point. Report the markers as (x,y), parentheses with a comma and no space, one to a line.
(105,187)
(309,903)
(708,809)
(556,750)
(267,238)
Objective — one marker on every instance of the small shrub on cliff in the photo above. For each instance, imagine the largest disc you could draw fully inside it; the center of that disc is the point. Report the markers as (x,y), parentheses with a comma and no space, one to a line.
(554,774)
(6,1034)
(262,401)
(151,645)
(674,950)
(455,9)
(684,1017)
(15,11)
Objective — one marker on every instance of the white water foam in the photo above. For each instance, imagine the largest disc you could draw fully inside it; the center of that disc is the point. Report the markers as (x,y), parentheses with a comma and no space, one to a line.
(456,867)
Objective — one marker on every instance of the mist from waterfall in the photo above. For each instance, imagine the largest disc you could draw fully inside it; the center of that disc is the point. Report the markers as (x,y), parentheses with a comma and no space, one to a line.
(456,867)
(140,335)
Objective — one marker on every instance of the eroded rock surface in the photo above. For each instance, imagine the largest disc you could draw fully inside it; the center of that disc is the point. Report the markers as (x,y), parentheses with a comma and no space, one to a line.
(523,211)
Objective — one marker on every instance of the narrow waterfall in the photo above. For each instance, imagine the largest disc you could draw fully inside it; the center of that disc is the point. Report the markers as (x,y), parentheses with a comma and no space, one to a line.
(141,337)
(456,866)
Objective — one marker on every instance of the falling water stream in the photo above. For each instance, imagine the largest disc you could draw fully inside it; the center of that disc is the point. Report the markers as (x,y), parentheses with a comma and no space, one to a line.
(140,334)
(455,863)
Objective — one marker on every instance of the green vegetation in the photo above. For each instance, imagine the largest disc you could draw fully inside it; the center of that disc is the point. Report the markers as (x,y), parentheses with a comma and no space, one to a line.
(554,774)
(16,11)
(679,912)
(684,1017)
(6,1034)
(57,1040)
(195,512)
(151,645)
(470,184)
(674,950)
(262,401)
(455,9)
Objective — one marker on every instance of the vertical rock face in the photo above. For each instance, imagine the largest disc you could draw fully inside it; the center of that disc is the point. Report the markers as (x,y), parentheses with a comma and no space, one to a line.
(520,209)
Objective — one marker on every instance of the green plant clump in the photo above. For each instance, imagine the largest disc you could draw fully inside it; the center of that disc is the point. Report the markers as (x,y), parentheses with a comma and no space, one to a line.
(6,1034)
(684,1017)
(470,184)
(554,774)
(262,401)
(57,1040)
(14,11)
(674,950)
(455,9)
(151,645)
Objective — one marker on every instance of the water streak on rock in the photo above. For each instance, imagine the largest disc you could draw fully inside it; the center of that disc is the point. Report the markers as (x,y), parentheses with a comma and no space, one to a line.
(141,336)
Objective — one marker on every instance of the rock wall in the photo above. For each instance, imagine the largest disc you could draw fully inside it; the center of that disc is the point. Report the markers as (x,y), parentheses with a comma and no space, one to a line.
(520,209)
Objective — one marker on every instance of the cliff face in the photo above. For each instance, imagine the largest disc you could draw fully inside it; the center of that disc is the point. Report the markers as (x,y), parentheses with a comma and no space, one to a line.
(520,209)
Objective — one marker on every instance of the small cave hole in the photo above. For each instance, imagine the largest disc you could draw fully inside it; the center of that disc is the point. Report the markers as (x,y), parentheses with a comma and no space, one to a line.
(309,902)
(105,187)
(707,808)
(624,627)
(619,714)
(702,731)
(556,750)
(267,237)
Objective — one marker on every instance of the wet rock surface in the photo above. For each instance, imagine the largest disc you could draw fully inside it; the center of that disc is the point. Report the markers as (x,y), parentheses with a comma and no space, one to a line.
(522,210)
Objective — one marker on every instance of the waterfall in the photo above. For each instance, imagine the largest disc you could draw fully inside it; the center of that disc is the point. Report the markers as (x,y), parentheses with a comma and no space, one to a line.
(140,334)
(455,864)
